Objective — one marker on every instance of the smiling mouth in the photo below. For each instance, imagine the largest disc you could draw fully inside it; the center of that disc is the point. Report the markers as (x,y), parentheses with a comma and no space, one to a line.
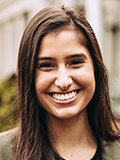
(66,96)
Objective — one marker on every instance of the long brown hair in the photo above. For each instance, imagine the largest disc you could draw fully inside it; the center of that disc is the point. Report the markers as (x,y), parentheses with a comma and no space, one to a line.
(31,140)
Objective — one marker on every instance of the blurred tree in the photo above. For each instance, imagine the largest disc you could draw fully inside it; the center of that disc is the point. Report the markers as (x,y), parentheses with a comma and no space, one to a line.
(8,104)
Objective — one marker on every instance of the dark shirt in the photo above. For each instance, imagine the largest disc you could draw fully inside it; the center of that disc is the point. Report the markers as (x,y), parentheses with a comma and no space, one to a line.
(97,155)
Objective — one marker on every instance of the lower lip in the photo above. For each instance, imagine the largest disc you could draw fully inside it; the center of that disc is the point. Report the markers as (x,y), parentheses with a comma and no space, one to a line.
(65,101)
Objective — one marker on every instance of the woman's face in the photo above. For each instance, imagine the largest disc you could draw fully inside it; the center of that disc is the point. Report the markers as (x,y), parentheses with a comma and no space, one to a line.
(64,78)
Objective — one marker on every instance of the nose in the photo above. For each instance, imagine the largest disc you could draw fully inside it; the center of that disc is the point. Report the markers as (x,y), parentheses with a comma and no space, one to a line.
(63,79)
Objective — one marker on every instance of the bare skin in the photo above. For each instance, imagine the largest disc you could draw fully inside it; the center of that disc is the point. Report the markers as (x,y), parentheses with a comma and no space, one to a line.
(73,138)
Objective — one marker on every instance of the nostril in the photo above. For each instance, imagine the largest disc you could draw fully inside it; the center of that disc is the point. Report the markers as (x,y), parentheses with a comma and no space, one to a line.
(64,83)
(64,88)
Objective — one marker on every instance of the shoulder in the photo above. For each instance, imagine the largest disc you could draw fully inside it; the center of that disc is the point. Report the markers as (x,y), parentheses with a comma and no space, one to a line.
(6,145)
(111,151)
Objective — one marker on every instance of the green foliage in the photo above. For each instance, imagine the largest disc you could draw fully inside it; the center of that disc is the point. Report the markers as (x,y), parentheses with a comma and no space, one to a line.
(8,104)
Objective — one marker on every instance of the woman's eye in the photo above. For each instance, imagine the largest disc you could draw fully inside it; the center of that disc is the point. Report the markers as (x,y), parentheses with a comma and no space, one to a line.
(76,62)
(45,66)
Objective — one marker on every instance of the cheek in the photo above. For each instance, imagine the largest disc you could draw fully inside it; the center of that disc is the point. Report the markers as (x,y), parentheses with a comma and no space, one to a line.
(90,83)
(42,82)
(84,78)
(39,82)
(91,86)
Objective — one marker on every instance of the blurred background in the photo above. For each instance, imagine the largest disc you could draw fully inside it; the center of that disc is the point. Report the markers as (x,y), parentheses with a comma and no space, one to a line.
(104,17)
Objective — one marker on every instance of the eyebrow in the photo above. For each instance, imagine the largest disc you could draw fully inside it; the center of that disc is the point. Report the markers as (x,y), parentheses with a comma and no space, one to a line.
(45,58)
(68,57)
(77,55)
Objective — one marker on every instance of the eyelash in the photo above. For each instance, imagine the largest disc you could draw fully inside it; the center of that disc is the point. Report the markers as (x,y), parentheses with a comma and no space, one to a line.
(45,65)
(76,62)
(48,65)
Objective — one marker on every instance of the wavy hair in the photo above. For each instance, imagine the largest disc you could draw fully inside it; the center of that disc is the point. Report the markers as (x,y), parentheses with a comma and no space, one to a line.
(32,138)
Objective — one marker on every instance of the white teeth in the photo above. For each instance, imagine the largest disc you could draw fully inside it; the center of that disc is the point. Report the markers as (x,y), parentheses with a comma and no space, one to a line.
(70,95)
(62,97)
(55,96)
(59,97)
(67,96)
(73,93)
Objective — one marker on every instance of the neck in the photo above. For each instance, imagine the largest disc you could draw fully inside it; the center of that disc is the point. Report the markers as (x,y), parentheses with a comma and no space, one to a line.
(69,133)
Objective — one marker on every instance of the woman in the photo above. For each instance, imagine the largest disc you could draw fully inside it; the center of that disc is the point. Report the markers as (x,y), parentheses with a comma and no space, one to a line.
(64,105)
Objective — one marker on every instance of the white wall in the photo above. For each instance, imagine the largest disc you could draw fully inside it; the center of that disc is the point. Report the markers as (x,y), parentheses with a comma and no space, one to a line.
(12,25)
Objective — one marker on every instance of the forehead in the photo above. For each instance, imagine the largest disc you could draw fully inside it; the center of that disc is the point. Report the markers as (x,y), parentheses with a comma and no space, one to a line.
(64,43)
(64,39)
(77,33)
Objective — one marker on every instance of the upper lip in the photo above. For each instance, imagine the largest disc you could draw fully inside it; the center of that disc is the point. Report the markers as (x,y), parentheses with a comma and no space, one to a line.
(64,92)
